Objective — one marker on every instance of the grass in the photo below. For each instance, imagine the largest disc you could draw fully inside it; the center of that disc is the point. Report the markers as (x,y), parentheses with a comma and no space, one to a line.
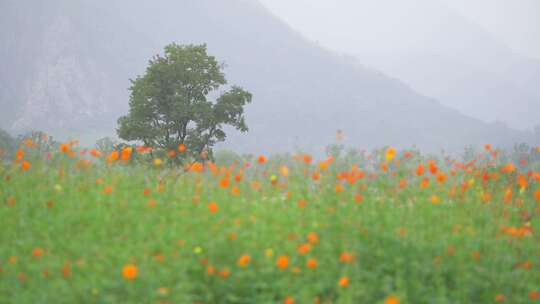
(71,224)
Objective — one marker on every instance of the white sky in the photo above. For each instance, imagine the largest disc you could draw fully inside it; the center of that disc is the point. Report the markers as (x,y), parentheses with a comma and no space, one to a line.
(515,23)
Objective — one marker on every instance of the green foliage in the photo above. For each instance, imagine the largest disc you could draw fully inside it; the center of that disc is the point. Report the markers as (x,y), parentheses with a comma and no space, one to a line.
(169,104)
(106,144)
(7,144)
(227,157)
(403,244)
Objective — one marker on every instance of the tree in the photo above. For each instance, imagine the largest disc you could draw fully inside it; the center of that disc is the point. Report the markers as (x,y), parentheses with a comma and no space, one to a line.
(170,107)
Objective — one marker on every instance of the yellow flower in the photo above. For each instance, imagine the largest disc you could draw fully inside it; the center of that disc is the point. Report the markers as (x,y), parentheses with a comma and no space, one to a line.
(284,171)
(390,153)
(158,162)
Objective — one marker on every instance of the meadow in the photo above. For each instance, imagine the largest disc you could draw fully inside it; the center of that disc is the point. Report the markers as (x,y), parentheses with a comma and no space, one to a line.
(389,226)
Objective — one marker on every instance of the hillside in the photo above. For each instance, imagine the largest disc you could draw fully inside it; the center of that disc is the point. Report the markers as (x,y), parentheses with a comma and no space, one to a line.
(431,47)
(73,76)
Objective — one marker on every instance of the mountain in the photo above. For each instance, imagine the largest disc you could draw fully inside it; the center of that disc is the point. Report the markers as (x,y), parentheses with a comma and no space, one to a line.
(432,48)
(75,60)
(62,70)
(516,23)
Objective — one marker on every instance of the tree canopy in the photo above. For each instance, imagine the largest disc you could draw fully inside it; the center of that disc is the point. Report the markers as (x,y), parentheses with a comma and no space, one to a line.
(170,108)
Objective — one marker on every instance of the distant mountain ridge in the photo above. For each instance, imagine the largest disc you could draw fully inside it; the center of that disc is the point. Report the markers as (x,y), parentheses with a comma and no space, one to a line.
(432,48)
(75,77)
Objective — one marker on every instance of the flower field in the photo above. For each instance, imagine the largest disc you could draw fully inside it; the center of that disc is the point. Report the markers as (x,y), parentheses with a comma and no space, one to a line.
(85,226)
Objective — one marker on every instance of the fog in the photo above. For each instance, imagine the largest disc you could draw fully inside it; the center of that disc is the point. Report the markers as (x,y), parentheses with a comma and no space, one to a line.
(438,75)
(514,23)
(480,57)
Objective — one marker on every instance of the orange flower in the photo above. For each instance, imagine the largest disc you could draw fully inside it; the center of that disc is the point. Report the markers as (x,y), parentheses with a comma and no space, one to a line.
(526,265)
(95,153)
(344,281)
(420,170)
(282,262)
(301,203)
(537,195)
(534,294)
(37,252)
(391,300)
(238,177)
(108,189)
(508,168)
(424,183)
(225,273)
(126,153)
(311,263)
(433,167)
(113,156)
(171,153)
(28,142)
(261,159)
(288,300)
(10,201)
(313,237)
(486,197)
(307,159)
(244,260)
(346,257)
(64,148)
(129,272)
(522,181)
(435,199)
(487,147)
(197,167)
(224,182)
(304,248)
(143,149)
(441,177)
(499,298)
(152,203)
(25,165)
(181,148)
(213,207)
(315,176)
(19,154)
(339,188)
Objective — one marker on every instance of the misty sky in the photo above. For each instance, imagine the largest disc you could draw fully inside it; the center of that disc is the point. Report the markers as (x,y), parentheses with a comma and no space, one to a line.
(480,57)
(515,23)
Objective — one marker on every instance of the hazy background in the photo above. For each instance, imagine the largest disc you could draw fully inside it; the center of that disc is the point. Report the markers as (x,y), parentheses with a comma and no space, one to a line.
(514,23)
(481,57)
(438,75)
